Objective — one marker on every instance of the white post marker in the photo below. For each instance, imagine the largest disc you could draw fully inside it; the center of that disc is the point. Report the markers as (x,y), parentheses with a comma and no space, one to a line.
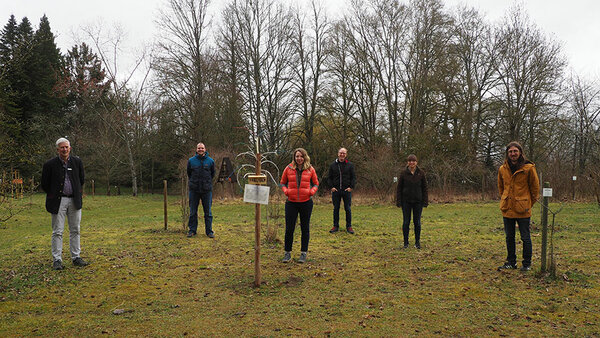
(258,193)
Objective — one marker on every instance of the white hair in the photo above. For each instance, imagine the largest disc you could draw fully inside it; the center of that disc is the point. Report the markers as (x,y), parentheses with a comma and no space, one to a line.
(62,140)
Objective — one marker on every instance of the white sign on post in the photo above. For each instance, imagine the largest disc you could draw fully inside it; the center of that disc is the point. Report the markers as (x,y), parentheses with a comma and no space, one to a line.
(574,178)
(256,194)
(547,192)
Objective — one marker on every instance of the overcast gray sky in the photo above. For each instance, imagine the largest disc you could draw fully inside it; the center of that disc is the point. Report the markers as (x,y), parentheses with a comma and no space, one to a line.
(574,23)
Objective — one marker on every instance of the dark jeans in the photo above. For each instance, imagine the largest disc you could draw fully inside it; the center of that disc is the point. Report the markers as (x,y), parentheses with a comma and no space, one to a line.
(509,230)
(195,198)
(337,197)
(416,209)
(292,209)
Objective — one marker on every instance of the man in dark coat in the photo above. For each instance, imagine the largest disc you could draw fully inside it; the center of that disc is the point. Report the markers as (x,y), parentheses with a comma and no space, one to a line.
(200,172)
(342,180)
(62,180)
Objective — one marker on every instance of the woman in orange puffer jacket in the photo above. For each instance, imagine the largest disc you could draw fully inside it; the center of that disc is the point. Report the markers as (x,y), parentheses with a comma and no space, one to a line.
(299,183)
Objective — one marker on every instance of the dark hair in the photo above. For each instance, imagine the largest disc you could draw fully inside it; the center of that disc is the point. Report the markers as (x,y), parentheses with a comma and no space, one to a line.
(522,159)
(411,157)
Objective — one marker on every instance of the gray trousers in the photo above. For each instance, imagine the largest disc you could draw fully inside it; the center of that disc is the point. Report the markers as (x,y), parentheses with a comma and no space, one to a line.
(66,211)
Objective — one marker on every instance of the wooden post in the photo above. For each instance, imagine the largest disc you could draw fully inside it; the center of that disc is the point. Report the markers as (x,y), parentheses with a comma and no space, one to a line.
(573,185)
(545,201)
(165,203)
(93,189)
(540,192)
(12,185)
(257,274)
(31,191)
(184,202)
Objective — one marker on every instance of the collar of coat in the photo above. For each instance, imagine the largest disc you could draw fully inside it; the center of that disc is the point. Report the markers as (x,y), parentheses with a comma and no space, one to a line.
(528,164)
(291,166)
(203,156)
(417,169)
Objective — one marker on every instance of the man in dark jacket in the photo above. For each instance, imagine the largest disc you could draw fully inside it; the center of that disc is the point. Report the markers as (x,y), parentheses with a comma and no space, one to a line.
(342,180)
(62,180)
(200,171)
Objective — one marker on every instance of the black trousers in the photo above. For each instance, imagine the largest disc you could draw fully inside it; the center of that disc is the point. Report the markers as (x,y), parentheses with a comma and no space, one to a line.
(336,198)
(417,209)
(509,230)
(292,210)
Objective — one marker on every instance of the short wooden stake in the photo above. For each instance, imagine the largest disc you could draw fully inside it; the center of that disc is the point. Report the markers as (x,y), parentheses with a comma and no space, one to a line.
(165,203)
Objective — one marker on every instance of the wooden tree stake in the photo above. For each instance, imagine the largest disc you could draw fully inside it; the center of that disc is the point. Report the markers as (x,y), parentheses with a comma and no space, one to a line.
(165,203)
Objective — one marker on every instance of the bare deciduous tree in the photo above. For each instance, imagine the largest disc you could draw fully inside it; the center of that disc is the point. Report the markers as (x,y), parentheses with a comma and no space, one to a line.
(123,108)
(529,67)
(338,103)
(474,49)
(262,31)
(182,66)
(308,41)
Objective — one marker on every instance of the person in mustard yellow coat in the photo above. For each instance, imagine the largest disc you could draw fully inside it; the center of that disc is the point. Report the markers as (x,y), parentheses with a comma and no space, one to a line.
(519,187)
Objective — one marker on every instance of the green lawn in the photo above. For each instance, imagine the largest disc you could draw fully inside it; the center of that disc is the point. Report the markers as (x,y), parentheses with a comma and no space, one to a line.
(361,284)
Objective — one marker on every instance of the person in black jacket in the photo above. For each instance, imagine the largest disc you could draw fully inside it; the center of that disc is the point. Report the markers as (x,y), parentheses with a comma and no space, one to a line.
(342,180)
(411,195)
(62,180)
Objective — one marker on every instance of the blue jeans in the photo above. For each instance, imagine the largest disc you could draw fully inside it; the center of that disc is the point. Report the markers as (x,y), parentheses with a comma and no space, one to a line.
(417,209)
(509,230)
(195,198)
(337,197)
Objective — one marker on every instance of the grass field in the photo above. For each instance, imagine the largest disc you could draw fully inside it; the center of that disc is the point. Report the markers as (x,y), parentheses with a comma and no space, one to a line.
(352,285)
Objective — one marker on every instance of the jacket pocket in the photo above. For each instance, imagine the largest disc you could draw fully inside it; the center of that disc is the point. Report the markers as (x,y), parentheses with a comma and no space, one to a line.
(522,205)
(504,203)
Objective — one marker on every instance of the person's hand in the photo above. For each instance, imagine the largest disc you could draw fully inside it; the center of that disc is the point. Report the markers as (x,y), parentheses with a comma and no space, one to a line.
(348,189)
(333,189)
